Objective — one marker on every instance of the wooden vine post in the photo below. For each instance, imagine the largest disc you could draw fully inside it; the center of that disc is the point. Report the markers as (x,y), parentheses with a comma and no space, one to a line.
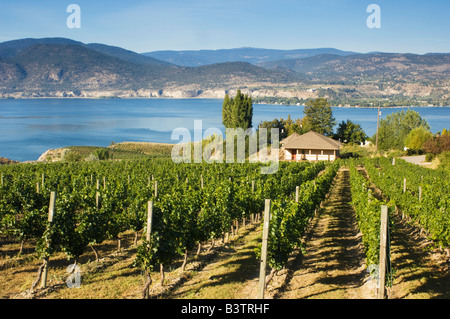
(252,216)
(149,220)
(383,252)
(51,211)
(147,237)
(265,237)
(97,194)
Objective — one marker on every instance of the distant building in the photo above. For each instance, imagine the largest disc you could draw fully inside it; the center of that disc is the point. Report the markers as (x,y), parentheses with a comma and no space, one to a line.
(310,146)
(366,143)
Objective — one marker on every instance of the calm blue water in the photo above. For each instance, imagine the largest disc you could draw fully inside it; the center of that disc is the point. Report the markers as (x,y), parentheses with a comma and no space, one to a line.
(30,127)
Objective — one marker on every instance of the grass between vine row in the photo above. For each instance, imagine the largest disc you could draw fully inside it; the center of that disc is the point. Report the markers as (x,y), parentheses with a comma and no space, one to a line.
(228,271)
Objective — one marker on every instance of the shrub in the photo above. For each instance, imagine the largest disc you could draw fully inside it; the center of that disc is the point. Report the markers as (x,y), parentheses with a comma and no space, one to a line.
(429,157)
(71,156)
(415,139)
(101,153)
(438,144)
(411,151)
(444,161)
(91,158)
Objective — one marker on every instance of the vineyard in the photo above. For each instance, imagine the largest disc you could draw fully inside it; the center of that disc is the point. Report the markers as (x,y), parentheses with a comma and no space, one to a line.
(159,216)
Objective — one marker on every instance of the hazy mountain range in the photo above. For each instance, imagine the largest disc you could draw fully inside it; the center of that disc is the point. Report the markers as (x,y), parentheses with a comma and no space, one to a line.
(64,67)
(250,55)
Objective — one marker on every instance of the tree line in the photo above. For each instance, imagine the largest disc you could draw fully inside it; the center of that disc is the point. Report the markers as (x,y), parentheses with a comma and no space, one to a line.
(402,130)
(318,118)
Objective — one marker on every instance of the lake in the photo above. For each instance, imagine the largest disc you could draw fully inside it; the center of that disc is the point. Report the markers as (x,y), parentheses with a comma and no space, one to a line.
(30,127)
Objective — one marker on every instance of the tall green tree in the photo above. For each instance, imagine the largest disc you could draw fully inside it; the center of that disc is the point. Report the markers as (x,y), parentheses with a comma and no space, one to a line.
(226,111)
(293,126)
(237,112)
(394,129)
(275,123)
(348,132)
(319,116)
(285,127)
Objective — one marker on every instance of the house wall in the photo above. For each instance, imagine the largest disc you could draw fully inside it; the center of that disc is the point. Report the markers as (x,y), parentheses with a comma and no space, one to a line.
(287,155)
(310,155)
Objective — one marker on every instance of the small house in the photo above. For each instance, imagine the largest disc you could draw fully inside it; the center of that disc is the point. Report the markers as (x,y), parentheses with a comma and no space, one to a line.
(310,146)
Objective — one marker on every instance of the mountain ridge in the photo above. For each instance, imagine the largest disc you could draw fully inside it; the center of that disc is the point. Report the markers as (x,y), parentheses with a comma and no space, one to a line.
(394,66)
(11,48)
(59,67)
(251,55)
(41,67)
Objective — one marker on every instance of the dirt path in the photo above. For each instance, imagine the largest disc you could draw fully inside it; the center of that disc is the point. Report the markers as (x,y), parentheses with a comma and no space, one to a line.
(334,264)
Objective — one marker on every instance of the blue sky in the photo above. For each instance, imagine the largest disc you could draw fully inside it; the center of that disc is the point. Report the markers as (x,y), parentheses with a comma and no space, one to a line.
(406,26)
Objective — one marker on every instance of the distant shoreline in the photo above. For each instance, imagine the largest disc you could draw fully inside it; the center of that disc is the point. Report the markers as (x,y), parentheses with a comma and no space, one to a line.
(199,98)
(131,149)
(360,107)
